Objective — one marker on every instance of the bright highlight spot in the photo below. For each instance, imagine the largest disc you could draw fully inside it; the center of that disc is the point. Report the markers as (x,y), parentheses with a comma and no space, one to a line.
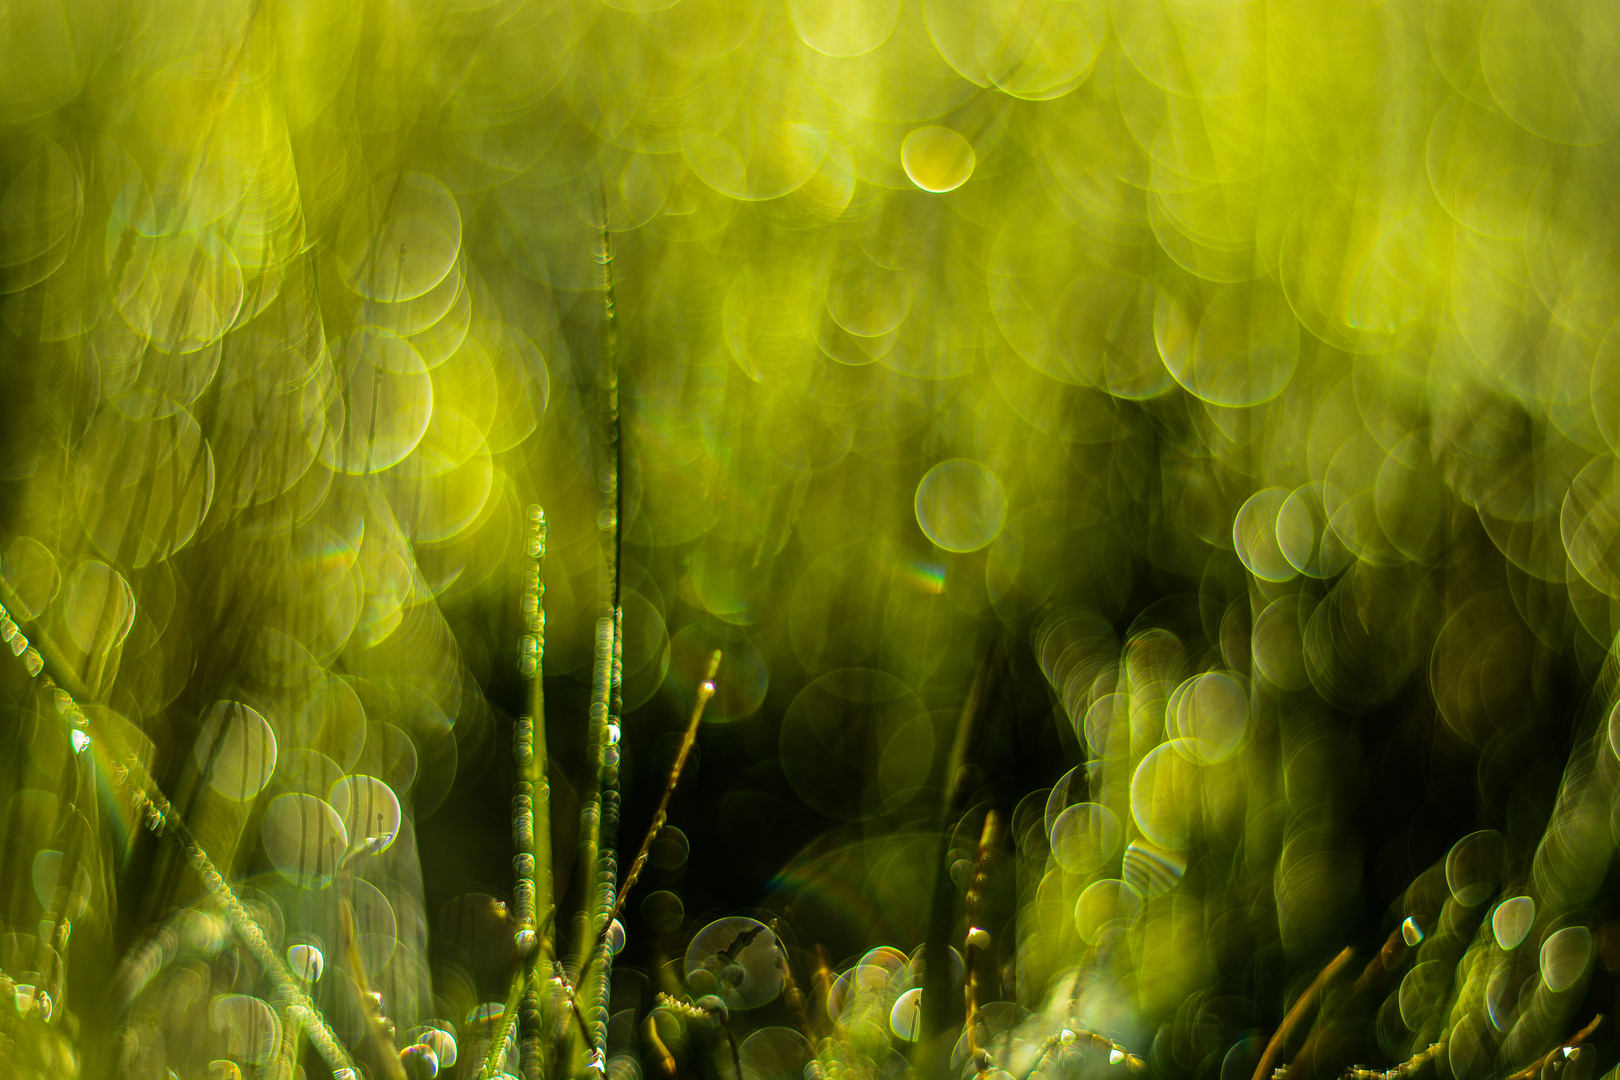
(961,505)
(937,158)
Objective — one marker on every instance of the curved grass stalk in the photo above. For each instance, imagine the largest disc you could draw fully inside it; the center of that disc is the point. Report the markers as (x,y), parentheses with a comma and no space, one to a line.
(665,1059)
(383,1057)
(1296,1015)
(1384,965)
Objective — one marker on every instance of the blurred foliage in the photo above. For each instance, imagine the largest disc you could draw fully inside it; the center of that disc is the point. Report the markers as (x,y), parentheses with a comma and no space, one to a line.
(1149,466)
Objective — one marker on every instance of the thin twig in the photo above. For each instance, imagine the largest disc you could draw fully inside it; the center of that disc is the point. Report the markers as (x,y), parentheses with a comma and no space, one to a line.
(936,1003)
(977,936)
(822,982)
(1388,960)
(688,740)
(664,1057)
(385,1059)
(790,989)
(1296,1015)
(731,1038)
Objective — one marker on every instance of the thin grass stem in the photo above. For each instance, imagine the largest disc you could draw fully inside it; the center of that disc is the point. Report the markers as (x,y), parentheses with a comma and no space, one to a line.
(1296,1015)
(688,740)
(977,937)
(531,801)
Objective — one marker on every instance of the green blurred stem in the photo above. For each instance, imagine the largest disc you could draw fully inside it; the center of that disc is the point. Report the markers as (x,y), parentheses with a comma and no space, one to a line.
(939,1005)
(599,810)
(532,772)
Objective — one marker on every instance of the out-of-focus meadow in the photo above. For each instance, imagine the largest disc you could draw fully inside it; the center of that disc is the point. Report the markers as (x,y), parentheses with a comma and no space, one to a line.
(1148,468)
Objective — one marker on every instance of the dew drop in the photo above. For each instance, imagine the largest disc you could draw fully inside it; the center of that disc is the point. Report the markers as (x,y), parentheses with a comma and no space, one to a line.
(236,750)
(737,958)
(905,1019)
(1474,867)
(489,1012)
(28,997)
(1565,956)
(1512,920)
(419,1062)
(306,962)
(437,1039)
(937,158)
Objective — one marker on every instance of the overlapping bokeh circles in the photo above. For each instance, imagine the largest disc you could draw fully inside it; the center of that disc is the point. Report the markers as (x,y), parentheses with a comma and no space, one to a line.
(857,741)
(737,959)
